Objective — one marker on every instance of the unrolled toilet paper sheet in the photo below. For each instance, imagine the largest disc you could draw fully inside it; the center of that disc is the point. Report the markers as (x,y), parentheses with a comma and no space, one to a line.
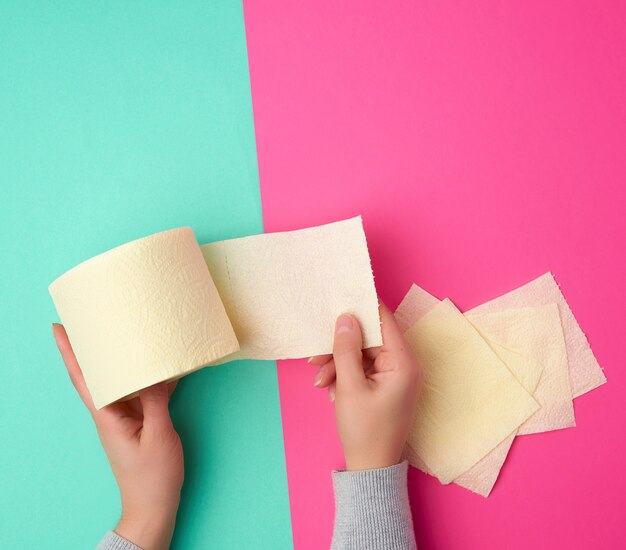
(284,291)
(151,310)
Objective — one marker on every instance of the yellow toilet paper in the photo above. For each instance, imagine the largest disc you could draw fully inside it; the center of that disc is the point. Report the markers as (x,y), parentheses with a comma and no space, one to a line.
(530,342)
(470,401)
(142,313)
(151,310)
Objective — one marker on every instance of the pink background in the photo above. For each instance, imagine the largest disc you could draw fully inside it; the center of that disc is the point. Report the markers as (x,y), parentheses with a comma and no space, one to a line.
(483,144)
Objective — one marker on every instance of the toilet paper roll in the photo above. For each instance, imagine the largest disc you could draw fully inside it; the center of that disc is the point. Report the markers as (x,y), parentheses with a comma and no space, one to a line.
(160,307)
(142,313)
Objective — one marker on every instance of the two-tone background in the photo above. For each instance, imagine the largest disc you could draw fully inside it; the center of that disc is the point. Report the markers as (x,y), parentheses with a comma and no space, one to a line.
(482,142)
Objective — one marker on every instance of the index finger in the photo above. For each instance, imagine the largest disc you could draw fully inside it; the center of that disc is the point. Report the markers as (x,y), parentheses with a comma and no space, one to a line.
(73,368)
(393,340)
(394,344)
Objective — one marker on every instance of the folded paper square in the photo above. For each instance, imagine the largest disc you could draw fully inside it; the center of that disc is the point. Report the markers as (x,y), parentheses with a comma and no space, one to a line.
(470,401)
(530,342)
(150,310)
(534,332)
(584,371)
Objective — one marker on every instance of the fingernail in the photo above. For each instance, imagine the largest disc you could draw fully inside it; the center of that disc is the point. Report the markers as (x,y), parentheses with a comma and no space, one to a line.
(319,376)
(331,394)
(344,323)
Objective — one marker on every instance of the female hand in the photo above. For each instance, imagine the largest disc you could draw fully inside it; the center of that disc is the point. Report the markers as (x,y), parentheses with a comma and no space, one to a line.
(145,453)
(375,392)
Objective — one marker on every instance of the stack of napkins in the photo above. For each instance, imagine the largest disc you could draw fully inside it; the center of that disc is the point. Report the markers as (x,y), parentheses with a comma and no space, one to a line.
(508,367)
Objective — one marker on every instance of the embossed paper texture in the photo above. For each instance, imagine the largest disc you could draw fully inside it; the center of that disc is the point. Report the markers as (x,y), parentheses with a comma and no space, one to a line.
(142,313)
(284,291)
(160,307)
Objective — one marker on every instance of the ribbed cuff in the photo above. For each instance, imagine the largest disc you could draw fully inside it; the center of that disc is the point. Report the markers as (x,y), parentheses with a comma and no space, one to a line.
(372,510)
(112,541)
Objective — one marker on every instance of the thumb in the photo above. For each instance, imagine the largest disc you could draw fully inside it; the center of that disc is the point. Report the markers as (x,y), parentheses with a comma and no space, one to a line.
(347,353)
(154,402)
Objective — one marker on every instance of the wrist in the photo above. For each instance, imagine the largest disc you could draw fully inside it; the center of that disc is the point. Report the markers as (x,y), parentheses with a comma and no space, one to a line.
(354,464)
(148,530)
(357,465)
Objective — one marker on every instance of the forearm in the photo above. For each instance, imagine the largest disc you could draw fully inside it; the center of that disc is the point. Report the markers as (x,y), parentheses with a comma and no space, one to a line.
(372,510)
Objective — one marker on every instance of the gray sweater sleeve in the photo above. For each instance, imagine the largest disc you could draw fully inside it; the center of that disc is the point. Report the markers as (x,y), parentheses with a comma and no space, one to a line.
(112,541)
(372,510)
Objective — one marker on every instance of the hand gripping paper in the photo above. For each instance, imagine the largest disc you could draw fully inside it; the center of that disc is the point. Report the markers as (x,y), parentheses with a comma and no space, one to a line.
(150,311)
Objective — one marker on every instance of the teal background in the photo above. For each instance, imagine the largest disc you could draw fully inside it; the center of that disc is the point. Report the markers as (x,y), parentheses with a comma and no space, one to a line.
(117,120)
